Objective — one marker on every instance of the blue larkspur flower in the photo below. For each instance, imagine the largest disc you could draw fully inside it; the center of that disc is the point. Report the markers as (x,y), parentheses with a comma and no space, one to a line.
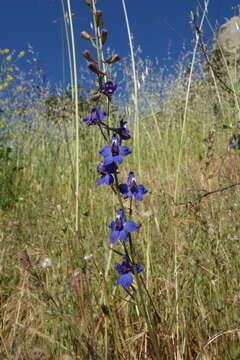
(234,141)
(106,171)
(95,118)
(108,88)
(123,131)
(126,271)
(121,228)
(132,188)
(114,152)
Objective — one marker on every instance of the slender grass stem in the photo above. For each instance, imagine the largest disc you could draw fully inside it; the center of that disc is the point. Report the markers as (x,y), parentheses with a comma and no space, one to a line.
(180,154)
(135,97)
(76,117)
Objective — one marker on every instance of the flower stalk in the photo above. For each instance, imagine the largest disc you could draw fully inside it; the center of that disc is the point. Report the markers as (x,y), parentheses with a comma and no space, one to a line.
(113,155)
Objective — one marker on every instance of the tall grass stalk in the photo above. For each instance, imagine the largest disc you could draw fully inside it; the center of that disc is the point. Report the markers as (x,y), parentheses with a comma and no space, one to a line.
(135,87)
(75,83)
(178,354)
(65,17)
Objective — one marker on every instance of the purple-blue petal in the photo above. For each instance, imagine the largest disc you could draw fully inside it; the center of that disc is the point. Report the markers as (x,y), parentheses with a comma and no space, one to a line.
(117,158)
(109,180)
(106,151)
(139,268)
(137,195)
(128,194)
(112,225)
(87,119)
(121,213)
(124,150)
(123,188)
(123,235)
(114,236)
(111,168)
(118,268)
(101,181)
(101,115)
(125,280)
(109,159)
(130,226)
(142,189)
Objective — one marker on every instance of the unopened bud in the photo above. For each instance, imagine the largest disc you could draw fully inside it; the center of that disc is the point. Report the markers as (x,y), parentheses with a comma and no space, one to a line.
(104,35)
(88,56)
(98,17)
(87,36)
(95,96)
(113,59)
(93,68)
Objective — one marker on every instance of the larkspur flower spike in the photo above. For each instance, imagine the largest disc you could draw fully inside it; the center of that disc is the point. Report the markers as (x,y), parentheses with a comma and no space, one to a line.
(95,118)
(132,188)
(120,228)
(126,271)
(114,152)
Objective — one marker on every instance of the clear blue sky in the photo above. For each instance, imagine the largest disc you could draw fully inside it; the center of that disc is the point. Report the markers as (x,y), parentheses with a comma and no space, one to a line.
(157,25)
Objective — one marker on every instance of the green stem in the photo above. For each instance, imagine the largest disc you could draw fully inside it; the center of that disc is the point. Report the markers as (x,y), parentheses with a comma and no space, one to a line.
(142,306)
(118,192)
(108,116)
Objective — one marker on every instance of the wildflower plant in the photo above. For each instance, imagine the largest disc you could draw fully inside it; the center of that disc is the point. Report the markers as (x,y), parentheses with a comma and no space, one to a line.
(123,228)
(115,150)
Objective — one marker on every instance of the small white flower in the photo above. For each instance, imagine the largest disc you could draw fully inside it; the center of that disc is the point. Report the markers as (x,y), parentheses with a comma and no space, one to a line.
(88,257)
(46,262)
(76,273)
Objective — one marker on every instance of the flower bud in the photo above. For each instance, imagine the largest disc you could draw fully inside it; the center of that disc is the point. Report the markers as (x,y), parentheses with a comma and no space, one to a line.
(95,96)
(88,56)
(92,67)
(113,59)
(86,36)
(98,17)
(104,35)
